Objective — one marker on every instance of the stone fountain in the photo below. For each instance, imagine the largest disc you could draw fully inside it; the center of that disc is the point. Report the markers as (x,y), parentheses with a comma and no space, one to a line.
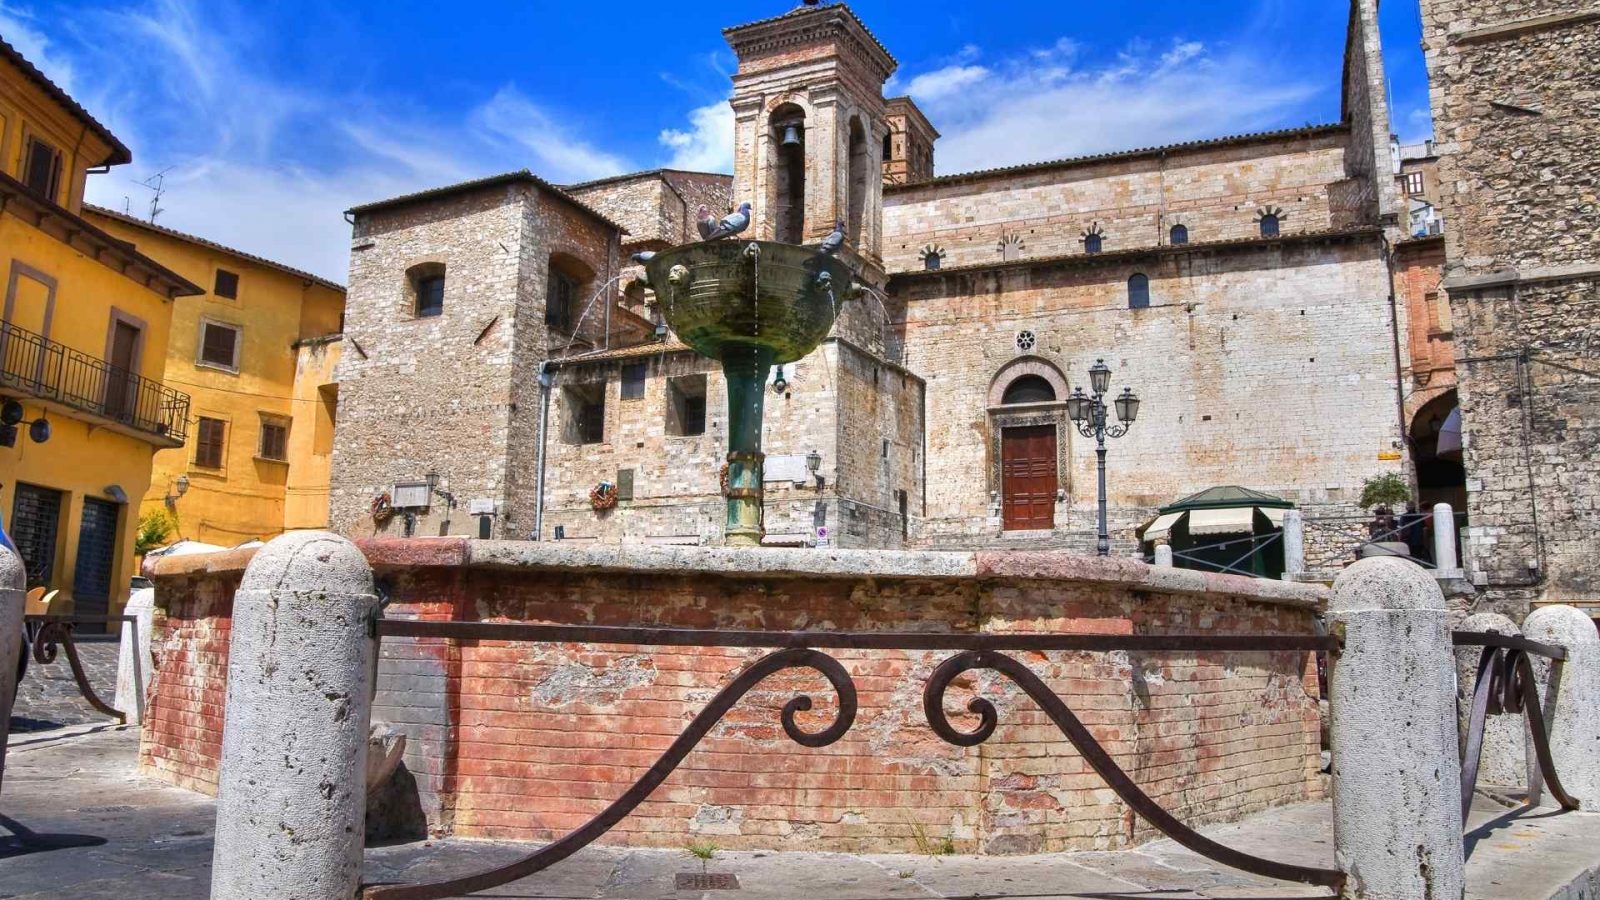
(750,305)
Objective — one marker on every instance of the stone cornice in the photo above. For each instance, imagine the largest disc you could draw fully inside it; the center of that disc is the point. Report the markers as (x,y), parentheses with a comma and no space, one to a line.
(810,26)
(1518,28)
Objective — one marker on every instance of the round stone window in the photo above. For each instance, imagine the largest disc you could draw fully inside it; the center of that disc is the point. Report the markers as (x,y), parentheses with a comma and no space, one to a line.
(1026,341)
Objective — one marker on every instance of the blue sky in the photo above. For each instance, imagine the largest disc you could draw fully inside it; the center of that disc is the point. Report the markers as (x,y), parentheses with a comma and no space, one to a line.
(272,118)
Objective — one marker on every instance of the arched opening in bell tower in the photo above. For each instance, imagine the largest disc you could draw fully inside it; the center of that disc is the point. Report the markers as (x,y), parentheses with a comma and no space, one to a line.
(860,164)
(788,134)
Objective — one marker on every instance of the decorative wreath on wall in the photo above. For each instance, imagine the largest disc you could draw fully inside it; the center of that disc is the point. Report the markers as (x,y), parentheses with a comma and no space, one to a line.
(382,510)
(603,496)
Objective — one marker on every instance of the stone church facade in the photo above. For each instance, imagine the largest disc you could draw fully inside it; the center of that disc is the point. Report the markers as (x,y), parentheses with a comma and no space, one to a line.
(504,357)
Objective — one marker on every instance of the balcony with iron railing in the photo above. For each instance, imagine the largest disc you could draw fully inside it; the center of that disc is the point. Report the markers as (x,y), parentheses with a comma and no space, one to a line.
(66,379)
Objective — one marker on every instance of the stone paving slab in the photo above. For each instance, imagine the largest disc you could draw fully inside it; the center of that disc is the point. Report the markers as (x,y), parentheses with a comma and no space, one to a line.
(110,833)
(48,698)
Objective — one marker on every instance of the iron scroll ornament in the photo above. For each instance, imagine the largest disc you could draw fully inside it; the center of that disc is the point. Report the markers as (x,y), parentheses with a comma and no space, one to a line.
(1506,686)
(725,700)
(1097,758)
(933,699)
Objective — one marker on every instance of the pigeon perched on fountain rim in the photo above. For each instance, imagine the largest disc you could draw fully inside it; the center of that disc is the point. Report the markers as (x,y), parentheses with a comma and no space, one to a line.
(703,221)
(831,244)
(731,224)
(644,256)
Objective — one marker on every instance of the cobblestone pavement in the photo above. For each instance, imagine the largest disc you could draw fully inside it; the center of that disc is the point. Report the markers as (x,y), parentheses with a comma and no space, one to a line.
(96,829)
(48,696)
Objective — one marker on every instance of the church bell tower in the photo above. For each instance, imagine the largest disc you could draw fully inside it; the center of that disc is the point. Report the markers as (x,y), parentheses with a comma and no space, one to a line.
(810,123)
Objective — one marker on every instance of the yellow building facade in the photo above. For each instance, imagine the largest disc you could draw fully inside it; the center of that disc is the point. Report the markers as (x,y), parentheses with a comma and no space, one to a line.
(83,349)
(256,353)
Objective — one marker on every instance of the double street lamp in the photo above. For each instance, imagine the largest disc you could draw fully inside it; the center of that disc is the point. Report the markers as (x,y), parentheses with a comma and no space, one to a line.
(1089,414)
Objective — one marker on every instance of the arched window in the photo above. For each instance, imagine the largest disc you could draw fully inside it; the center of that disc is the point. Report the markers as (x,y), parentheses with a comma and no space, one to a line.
(1029,389)
(1180,235)
(789,173)
(1269,225)
(1093,243)
(858,181)
(931,261)
(1139,291)
(427,289)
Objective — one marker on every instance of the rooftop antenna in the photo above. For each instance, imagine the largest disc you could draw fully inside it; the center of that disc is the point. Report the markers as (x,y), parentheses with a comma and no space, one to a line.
(157,185)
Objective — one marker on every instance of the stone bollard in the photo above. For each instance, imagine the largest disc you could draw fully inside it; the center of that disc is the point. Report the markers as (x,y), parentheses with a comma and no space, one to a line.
(1503,762)
(1396,764)
(134,662)
(13,595)
(1294,544)
(1571,693)
(1164,556)
(1444,538)
(291,798)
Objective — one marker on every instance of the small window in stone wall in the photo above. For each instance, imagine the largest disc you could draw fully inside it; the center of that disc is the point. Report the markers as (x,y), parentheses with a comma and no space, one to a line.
(686,406)
(585,407)
(1139,291)
(1271,225)
(624,484)
(1180,235)
(633,378)
(427,290)
(561,299)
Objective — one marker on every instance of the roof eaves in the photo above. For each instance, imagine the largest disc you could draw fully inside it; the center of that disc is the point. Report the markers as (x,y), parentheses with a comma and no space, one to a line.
(196,239)
(1070,162)
(504,178)
(816,10)
(120,153)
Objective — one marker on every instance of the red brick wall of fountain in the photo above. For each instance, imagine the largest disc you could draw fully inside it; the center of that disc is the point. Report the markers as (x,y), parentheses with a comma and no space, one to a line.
(522,741)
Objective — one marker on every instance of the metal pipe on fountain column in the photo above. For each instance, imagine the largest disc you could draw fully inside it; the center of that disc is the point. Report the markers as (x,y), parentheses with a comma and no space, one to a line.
(745,369)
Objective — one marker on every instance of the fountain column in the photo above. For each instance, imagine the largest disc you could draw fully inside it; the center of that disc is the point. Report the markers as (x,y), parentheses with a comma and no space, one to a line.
(745,368)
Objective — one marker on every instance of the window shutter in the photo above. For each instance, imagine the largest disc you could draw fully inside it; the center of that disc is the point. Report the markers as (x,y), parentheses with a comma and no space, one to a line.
(227,285)
(208,445)
(219,344)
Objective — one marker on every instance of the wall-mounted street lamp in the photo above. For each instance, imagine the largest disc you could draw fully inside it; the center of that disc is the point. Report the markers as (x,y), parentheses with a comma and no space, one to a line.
(1089,414)
(178,489)
(814,466)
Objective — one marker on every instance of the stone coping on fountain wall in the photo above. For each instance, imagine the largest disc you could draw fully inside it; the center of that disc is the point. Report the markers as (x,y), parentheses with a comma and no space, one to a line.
(780,563)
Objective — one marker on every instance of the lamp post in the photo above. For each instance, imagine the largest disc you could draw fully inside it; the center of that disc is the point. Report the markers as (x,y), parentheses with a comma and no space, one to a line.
(1089,414)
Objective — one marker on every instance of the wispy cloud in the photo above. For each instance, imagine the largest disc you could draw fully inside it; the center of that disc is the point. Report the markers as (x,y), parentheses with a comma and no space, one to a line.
(1047,103)
(254,158)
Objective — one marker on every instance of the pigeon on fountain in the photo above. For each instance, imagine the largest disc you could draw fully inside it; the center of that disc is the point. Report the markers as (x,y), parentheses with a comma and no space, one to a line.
(731,224)
(703,220)
(832,243)
(644,256)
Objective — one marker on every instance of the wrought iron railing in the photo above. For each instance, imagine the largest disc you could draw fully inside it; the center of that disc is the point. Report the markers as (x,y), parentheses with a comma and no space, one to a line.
(797,650)
(1506,686)
(33,364)
(42,635)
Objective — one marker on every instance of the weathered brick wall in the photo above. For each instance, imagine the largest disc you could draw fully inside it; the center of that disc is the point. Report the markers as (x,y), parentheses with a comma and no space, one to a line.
(1519,144)
(1216,192)
(1419,267)
(529,741)
(1270,366)
(181,739)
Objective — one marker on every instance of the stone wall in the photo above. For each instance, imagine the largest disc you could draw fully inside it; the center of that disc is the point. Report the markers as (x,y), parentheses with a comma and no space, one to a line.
(840,402)
(1430,343)
(1270,366)
(456,395)
(1519,154)
(1218,191)
(526,742)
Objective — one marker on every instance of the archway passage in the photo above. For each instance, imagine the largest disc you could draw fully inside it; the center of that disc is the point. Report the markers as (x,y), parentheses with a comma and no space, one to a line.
(1441,477)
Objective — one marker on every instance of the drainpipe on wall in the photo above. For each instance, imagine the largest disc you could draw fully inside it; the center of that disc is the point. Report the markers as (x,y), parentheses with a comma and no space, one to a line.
(546,379)
(1399,366)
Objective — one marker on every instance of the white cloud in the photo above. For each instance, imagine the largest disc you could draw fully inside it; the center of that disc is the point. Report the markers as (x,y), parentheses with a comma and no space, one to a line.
(940,83)
(559,154)
(19,27)
(1046,104)
(707,144)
